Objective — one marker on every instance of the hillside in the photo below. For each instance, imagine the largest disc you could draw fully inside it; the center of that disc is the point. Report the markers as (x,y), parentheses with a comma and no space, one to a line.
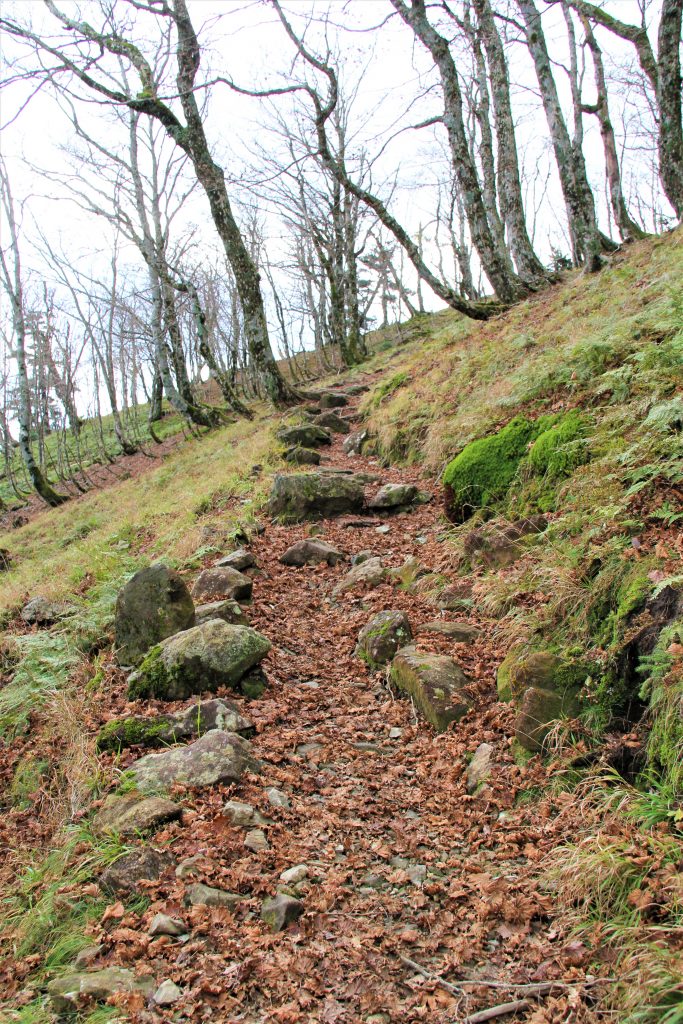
(540,879)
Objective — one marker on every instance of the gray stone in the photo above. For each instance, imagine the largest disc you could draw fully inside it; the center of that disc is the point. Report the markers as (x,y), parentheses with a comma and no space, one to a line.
(276,798)
(190,866)
(353,445)
(256,841)
(200,895)
(306,435)
(294,875)
(365,576)
(538,711)
(479,768)
(408,573)
(282,911)
(300,456)
(132,812)
(497,545)
(144,864)
(39,611)
(434,682)
(72,990)
(331,421)
(228,611)
(332,400)
(167,993)
(458,632)
(393,496)
(163,924)
(300,496)
(239,813)
(87,956)
(395,733)
(163,730)
(240,559)
(203,658)
(153,605)
(383,636)
(362,556)
(220,584)
(311,552)
(216,757)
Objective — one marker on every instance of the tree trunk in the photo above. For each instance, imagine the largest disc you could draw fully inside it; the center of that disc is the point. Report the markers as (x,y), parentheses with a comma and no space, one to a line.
(669,103)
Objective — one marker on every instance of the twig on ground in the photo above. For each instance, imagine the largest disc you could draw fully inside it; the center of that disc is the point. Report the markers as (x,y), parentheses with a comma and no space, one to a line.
(497,1011)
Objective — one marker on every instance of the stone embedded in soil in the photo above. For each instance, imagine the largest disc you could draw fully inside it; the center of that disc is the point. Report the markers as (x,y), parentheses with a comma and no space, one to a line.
(163,730)
(276,798)
(132,812)
(241,814)
(332,400)
(458,632)
(164,924)
(239,559)
(435,683)
(479,768)
(228,611)
(294,875)
(311,552)
(383,636)
(70,991)
(496,545)
(353,444)
(153,605)
(200,895)
(393,496)
(300,456)
(408,573)
(167,993)
(221,584)
(39,611)
(521,669)
(282,911)
(362,556)
(331,421)
(256,841)
(538,711)
(216,757)
(143,864)
(299,496)
(367,575)
(306,435)
(203,658)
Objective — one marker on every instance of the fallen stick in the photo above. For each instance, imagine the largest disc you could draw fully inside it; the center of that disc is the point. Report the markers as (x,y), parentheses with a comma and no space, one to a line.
(534,988)
(497,1011)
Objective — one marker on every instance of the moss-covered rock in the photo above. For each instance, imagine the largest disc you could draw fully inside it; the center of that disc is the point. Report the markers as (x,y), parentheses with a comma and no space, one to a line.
(483,471)
(221,583)
(560,449)
(163,730)
(306,435)
(216,757)
(393,497)
(131,813)
(539,710)
(229,611)
(153,605)
(202,658)
(521,669)
(76,990)
(298,455)
(498,544)
(332,421)
(300,496)
(383,636)
(435,683)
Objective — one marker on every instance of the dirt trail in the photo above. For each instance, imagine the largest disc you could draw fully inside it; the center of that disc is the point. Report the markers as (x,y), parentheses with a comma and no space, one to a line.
(402,863)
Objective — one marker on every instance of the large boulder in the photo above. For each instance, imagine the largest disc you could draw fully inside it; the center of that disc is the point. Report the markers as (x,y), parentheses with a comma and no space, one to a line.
(538,711)
(153,605)
(383,636)
(541,669)
(132,812)
(306,435)
(300,496)
(331,421)
(363,576)
(202,658)
(393,496)
(300,456)
(311,552)
(435,683)
(220,584)
(228,611)
(163,730)
(77,989)
(141,865)
(496,545)
(332,400)
(216,757)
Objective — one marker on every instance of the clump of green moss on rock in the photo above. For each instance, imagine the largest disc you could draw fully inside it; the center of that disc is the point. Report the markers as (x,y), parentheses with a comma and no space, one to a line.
(560,449)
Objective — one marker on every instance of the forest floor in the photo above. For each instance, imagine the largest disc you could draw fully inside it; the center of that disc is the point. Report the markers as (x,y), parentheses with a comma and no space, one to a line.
(421,902)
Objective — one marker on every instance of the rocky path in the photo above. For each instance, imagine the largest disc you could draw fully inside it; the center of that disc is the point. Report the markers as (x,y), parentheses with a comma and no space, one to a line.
(402,896)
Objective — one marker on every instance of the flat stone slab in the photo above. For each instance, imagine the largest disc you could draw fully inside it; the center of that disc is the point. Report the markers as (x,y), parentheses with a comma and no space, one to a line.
(364,576)
(306,435)
(164,730)
(71,990)
(393,496)
(220,583)
(216,757)
(203,658)
(239,559)
(200,895)
(459,632)
(434,682)
(331,421)
(299,496)
(131,813)
(228,611)
(311,552)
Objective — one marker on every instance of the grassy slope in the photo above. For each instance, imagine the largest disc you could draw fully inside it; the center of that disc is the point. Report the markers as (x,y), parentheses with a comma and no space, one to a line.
(611,344)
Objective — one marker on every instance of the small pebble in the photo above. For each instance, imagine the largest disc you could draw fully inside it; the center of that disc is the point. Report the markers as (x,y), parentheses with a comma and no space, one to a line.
(276,798)
(395,733)
(167,993)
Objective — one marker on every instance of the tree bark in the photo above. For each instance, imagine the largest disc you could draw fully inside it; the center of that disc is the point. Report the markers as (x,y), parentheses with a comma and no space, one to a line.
(669,103)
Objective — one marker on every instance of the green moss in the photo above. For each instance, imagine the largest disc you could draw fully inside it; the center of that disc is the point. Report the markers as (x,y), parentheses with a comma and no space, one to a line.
(28,775)
(387,387)
(558,451)
(483,471)
(130,732)
(152,677)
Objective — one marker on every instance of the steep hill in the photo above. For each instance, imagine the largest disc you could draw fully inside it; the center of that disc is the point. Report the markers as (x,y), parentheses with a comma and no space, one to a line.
(529,852)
